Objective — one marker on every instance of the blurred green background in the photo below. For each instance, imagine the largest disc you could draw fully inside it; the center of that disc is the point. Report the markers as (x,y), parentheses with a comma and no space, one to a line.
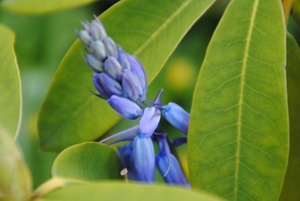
(42,41)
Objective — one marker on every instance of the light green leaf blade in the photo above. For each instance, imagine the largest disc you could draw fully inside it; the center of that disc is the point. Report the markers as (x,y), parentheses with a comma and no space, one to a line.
(149,30)
(290,189)
(10,84)
(15,178)
(238,135)
(88,161)
(40,6)
(111,191)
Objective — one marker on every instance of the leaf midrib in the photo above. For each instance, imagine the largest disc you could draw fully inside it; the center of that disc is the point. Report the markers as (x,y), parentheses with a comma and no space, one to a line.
(241,97)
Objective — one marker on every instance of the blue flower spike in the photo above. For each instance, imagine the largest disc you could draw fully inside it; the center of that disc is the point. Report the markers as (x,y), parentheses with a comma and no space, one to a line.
(176,116)
(149,121)
(168,165)
(125,107)
(144,158)
(125,154)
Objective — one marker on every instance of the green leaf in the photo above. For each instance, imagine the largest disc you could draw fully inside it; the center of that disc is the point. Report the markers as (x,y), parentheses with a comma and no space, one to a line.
(112,191)
(10,84)
(88,161)
(290,189)
(238,135)
(41,6)
(15,178)
(149,30)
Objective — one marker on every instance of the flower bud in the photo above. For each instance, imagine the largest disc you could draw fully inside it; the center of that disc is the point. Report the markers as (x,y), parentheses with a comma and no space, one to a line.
(149,121)
(85,37)
(125,107)
(139,73)
(144,158)
(110,85)
(103,93)
(98,49)
(129,82)
(95,64)
(123,60)
(113,68)
(97,30)
(176,116)
(110,47)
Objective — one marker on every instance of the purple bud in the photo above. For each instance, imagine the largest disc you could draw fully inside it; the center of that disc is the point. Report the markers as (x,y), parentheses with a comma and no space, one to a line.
(125,107)
(144,158)
(176,116)
(95,64)
(129,82)
(123,60)
(110,85)
(149,121)
(139,72)
(85,37)
(97,30)
(125,154)
(103,93)
(110,47)
(113,68)
(98,49)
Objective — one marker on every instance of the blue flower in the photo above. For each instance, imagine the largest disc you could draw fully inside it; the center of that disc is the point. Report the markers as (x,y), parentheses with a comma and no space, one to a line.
(149,121)
(176,116)
(144,158)
(168,165)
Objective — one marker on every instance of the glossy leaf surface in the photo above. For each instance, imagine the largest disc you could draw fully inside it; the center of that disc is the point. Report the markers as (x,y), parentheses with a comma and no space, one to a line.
(110,191)
(238,137)
(88,162)
(40,6)
(10,84)
(290,189)
(149,30)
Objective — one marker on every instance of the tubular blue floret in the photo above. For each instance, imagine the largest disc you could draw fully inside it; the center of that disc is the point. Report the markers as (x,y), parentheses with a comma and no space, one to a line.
(125,107)
(168,165)
(113,68)
(144,158)
(110,85)
(149,121)
(125,154)
(103,93)
(176,116)
(139,73)
(98,49)
(123,60)
(95,64)
(129,82)
(110,47)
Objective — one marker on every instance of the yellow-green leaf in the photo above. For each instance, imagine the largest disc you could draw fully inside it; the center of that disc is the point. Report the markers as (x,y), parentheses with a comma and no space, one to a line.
(238,139)
(10,84)
(290,189)
(41,6)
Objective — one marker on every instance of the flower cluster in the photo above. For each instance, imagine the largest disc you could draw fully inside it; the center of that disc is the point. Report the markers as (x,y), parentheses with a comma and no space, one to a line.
(121,80)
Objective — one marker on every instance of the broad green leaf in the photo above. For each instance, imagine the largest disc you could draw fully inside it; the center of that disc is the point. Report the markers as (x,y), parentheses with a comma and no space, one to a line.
(112,191)
(10,84)
(149,30)
(41,6)
(290,189)
(88,161)
(15,178)
(238,136)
